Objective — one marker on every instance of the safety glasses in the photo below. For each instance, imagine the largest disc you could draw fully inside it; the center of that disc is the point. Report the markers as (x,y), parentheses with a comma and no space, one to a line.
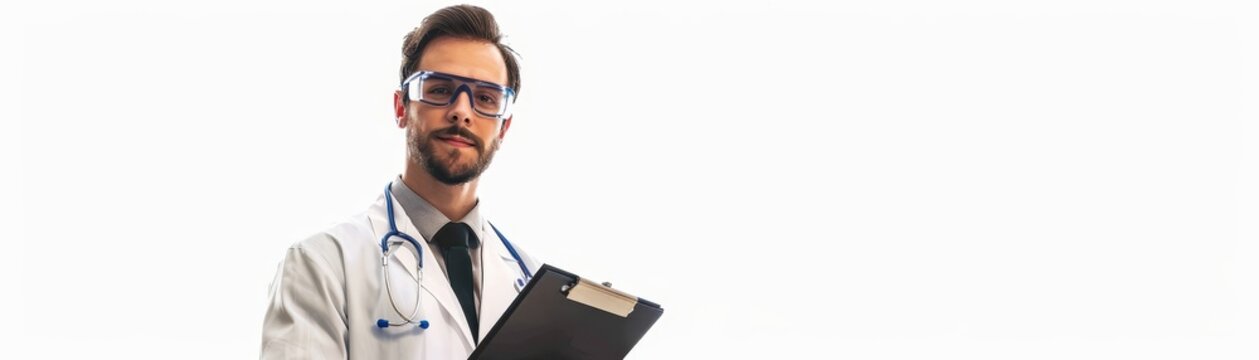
(441,89)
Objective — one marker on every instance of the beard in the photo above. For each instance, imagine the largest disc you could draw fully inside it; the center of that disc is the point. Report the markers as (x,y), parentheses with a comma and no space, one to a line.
(450,169)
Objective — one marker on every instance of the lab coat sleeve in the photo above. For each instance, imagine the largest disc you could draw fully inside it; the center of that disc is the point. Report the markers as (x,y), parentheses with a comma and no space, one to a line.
(306,312)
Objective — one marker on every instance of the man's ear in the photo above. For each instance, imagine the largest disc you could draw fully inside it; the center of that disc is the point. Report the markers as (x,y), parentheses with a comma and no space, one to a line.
(399,109)
(506,124)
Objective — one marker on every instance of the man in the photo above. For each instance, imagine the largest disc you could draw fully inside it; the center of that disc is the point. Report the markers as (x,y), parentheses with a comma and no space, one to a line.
(352,291)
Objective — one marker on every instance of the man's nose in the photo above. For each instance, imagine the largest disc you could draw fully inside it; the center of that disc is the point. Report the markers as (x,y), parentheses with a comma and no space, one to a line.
(461,109)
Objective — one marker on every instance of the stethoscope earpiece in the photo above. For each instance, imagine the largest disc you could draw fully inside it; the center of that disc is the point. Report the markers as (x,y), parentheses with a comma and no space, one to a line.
(382,323)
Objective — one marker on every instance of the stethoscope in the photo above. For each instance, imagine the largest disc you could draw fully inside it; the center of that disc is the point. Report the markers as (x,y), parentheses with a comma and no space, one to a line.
(387,252)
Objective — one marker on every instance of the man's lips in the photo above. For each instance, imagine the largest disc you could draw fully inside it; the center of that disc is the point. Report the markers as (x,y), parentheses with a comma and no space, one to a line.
(457,141)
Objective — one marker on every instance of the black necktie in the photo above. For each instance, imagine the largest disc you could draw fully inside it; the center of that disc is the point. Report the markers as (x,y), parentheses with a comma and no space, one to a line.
(455,239)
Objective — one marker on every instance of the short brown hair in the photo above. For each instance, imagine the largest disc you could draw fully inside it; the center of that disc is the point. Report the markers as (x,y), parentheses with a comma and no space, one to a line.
(461,21)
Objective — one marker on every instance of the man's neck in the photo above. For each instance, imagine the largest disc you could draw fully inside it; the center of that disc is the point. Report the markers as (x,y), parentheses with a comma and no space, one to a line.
(454,201)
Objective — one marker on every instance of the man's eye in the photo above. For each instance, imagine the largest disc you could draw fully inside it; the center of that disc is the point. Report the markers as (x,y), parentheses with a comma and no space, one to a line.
(487,99)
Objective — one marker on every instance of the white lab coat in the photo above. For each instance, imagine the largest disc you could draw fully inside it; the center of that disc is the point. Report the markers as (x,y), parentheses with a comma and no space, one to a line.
(328,293)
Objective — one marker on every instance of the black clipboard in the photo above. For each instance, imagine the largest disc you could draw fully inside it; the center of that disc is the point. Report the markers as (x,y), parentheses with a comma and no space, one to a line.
(559,315)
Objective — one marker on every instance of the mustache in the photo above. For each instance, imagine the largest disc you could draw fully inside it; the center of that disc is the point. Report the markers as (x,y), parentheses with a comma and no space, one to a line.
(458,131)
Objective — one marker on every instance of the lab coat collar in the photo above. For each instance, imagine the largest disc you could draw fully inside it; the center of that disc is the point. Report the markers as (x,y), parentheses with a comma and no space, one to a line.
(498,280)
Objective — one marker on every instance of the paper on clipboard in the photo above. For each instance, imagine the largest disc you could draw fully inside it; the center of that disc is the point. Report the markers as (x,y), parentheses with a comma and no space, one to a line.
(602,297)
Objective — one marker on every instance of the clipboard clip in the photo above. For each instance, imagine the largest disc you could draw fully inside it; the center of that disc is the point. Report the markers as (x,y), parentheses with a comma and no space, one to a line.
(600,296)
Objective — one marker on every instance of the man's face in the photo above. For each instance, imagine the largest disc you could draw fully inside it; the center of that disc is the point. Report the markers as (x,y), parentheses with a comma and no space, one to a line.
(454,143)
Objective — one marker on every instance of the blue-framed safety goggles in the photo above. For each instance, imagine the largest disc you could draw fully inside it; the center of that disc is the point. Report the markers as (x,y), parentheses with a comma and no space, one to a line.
(441,89)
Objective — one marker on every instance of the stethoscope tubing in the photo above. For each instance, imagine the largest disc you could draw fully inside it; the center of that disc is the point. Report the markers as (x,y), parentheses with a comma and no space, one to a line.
(419,278)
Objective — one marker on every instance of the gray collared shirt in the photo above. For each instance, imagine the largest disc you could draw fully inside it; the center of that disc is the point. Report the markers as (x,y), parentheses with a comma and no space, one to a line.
(427,219)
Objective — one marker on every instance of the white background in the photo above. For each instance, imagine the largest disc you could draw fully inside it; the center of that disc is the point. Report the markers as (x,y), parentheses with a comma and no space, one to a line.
(856,180)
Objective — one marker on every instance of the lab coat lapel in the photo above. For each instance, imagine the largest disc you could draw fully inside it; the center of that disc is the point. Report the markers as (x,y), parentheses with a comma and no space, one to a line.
(497,279)
(435,282)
